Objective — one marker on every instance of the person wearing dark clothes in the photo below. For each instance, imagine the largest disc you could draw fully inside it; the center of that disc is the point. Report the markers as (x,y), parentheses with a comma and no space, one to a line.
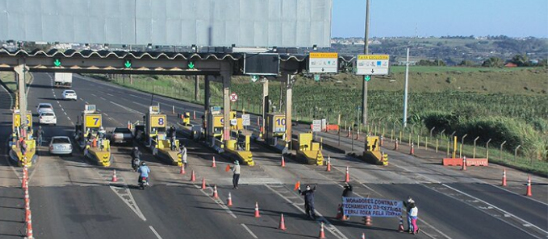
(309,201)
(40,135)
(347,192)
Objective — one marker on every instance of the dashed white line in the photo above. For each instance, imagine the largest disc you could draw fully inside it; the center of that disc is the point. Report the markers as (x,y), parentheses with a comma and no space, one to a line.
(155,232)
(110,94)
(69,118)
(249,230)
(102,98)
(94,95)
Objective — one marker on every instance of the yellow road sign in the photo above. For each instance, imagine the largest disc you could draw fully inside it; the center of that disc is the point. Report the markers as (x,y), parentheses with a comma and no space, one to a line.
(218,121)
(93,120)
(334,55)
(17,119)
(158,121)
(373,57)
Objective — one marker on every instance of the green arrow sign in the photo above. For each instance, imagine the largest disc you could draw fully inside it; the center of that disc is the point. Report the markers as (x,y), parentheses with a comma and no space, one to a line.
(57,62)
(127,64)
(317,77)
(191,65)
(254,78)
(367,78)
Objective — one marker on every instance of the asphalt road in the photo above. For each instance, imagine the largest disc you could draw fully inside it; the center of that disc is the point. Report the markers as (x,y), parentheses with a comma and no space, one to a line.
(73,198)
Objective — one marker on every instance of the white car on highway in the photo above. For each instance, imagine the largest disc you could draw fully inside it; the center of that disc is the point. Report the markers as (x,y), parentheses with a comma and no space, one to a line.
(69,95)
(48,118)
(44,107)
(60,145)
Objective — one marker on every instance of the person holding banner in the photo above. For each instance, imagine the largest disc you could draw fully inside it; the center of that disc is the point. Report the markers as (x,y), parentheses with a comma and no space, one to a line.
(414,212)
(408,211)
(309,201)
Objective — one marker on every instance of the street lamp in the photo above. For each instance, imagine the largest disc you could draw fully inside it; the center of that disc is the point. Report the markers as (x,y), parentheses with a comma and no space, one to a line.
(194,48)
(315,47)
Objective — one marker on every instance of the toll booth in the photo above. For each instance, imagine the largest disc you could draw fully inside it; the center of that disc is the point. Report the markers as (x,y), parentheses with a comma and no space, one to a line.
(155,125)
(373,153)
(15,145)
(275,131)
(215,123)
(309,150)
(239,148)
(88,136)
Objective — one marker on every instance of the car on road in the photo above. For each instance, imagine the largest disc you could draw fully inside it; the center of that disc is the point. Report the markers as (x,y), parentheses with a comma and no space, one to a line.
(48,118)
(44,107)
(121,135)
(60,145)
(69,95)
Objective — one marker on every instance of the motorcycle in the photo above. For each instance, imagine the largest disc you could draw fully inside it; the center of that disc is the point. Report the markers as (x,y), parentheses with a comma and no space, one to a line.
(135,164)
(143,183)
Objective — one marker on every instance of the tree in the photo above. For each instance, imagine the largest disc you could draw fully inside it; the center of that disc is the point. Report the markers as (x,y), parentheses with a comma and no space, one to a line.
(520,60)
(493,62)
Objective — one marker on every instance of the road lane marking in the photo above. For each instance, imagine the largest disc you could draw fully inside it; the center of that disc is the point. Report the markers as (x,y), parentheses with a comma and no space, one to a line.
(249,230)
(155,232)
(102,98)
(110,94)
(125,107)
(328,226)
(506,214)
(218,200)
(125,194)
(93,94)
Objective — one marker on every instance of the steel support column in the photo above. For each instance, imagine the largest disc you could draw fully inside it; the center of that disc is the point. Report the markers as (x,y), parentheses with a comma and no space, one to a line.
(226,105)
(266,103)
(288,105)
(20,78)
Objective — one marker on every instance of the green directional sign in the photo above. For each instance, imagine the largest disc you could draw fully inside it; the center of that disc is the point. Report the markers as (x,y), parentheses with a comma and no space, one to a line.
(317,77)
(191,65)
(57,62)
(127,64)
(254,78)
(367,78)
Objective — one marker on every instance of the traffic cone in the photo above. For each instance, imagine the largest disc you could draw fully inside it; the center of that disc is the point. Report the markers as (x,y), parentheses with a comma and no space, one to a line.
(24,182)
(396,145)
(463,163)
(229,200)
(194,115)
(412,150)
(114,178)
(328,164)
(203,183)
(182,169)
(368,221)
(347,178)
(193,176)
(504,178)
(529,193)
(257,210)
(28,215)
(381,143)
(283,162)
(213,164)
(29,229)
(363,235)
(339,212)
(215,194)
(400,227)
(282,223)
(322,233)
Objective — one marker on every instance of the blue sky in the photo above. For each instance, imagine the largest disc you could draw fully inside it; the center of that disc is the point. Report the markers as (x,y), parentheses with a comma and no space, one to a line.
(515,18)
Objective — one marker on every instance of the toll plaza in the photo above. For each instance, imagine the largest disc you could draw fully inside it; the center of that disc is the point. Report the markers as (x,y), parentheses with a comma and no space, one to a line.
(90,136)
(22,145)
(154,135)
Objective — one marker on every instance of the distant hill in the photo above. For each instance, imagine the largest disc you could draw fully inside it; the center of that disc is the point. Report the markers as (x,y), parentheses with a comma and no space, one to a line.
(451,50)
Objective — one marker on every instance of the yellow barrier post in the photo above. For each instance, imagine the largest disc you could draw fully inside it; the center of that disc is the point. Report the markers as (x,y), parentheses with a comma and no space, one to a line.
(454,146)
(321,143)
(426,143)
(392,134)
(436,145)
(418,141)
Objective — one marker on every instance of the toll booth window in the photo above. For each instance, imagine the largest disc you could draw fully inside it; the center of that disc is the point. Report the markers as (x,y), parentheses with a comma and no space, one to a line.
(159,130)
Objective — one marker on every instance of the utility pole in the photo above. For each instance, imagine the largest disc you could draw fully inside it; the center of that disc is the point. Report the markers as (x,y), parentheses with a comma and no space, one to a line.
(365,51)
(406,90)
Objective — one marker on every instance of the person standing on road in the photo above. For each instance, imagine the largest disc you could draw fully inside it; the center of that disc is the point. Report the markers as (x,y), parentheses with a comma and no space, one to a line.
(236,174)
(414,212)
(309,201)
(407,205)
(347,192)
(40,135)
(183,152)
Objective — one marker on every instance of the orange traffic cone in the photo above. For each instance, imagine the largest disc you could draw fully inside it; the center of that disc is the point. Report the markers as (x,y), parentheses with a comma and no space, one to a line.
(257,214)
(28,216)
(182,169)
(322,233)
(215,194)
(194,117)
(203,183)
(29,229)
(114,178)
(328,169)
(282,223)
(400,227)
(396,145)
(283,162)
(368,221)
(412,150)
(529,193)
(24,182)
(213,164)
(463,163)
(504,178)
(363,235)
(347,177)
(339,212)
(229,200)
(193,176)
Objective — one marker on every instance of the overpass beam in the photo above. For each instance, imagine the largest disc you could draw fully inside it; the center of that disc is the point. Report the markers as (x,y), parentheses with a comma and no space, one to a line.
(23,104)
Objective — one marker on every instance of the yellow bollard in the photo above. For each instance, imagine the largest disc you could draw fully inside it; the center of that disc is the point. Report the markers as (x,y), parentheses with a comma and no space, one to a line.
(426,143)
(392,134)
(436,145)
(321,143)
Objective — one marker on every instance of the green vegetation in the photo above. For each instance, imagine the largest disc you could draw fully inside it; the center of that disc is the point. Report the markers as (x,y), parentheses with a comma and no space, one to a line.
(9,79)
(501,104)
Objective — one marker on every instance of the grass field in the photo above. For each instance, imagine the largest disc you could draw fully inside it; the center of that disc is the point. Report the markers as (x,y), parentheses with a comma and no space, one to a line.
(519,94)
